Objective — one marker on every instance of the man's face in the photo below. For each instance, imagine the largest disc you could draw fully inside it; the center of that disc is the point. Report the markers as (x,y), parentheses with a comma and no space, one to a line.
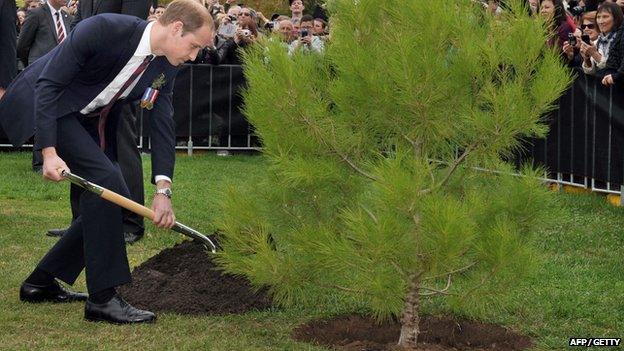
(297,7)
(33,5)
(183,46)
(307,26)
(286,30)
(159,12)
(57,4)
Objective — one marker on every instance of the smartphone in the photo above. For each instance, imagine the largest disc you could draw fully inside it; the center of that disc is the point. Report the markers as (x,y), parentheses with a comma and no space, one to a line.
(571,39)
(585,39)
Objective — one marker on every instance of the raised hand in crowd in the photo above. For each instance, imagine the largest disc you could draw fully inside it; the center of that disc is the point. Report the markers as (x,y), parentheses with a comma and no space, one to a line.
(588,51)
(572,44)
(608,80)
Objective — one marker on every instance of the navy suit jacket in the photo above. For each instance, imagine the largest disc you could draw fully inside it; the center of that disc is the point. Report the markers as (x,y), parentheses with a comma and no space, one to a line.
(69,77)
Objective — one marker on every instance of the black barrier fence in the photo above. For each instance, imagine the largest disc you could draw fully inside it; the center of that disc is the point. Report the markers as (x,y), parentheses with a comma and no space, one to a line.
(584,147)
(207,103)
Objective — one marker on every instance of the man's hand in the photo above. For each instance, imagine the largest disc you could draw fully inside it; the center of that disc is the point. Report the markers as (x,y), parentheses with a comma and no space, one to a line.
(52,164)
(162,207)
(608,80)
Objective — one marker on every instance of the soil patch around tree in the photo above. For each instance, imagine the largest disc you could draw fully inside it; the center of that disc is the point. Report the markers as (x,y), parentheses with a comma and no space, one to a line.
(437,333)
(184,279)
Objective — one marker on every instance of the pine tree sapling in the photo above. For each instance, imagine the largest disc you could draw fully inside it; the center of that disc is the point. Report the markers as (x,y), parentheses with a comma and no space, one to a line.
(375,191)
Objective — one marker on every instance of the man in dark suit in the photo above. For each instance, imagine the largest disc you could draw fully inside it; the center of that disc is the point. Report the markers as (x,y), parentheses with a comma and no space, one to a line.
(129,157)
(44,28)
(79,88)
(88,8)
(8,36)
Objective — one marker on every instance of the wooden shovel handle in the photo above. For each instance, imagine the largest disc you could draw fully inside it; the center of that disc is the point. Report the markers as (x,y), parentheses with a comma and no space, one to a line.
(127,204)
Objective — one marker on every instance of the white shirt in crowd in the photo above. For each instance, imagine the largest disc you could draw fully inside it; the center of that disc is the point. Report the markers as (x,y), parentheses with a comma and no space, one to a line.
(53,11)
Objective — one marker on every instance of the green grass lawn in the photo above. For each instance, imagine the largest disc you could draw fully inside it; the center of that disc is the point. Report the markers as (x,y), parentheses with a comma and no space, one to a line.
(577,293)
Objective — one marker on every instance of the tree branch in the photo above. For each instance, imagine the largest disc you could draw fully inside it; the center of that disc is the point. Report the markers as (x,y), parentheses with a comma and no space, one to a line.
(433,291)
(333,148)
(459,270)
(451,170)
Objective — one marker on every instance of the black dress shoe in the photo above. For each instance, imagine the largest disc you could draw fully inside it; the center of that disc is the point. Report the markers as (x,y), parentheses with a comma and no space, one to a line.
(132,238)
(56,232)
(49,293)
(117,311)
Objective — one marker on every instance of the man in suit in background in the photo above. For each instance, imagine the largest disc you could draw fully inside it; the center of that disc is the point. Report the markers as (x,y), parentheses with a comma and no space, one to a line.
(88,8)
(44,28)
(8,36)
(79,87)
(129,157)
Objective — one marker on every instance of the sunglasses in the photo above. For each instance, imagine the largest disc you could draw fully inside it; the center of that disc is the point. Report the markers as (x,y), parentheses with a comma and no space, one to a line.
(588,26)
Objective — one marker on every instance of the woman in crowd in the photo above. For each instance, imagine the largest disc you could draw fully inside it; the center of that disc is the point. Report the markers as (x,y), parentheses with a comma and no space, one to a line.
(614,70)
(561,24)
(595,55)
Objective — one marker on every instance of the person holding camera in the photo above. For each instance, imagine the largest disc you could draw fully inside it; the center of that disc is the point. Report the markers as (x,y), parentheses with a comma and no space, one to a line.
(307,41)
(595,55)
(228,22)
(561,25)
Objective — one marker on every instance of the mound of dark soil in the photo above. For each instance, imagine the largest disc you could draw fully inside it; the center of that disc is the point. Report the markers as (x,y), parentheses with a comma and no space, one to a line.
(356,333)
(184,279)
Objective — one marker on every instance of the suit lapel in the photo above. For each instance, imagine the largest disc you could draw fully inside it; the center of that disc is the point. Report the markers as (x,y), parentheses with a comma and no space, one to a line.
(51,21)
(129,50)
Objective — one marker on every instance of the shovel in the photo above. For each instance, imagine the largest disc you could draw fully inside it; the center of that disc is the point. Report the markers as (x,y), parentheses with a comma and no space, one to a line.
(137,208)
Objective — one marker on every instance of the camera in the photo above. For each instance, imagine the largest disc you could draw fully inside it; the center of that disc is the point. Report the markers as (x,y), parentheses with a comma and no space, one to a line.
(571,39)
(304,33)
(270,25)
(585,39)
(576,9)
(245,32)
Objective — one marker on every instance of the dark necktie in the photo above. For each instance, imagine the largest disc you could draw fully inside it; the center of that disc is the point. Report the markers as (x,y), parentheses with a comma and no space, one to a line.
(60,33)
(109,106)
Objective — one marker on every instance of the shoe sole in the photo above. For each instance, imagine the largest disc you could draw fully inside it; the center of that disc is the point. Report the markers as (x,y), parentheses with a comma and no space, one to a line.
(102,320)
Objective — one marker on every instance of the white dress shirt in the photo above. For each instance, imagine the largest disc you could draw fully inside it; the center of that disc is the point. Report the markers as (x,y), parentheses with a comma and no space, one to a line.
(53,11)
(143,50)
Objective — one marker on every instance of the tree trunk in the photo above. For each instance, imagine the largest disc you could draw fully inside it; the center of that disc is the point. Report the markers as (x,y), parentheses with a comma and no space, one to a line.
(410,319)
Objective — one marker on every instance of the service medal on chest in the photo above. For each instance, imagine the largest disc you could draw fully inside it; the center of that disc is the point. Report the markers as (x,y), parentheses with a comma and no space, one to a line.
(151,93)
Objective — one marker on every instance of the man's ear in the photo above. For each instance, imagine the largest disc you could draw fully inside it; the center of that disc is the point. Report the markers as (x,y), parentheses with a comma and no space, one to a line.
(177,27)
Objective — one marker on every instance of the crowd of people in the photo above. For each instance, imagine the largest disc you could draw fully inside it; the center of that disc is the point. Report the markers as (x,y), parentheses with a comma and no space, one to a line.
(237,26)
(588,33)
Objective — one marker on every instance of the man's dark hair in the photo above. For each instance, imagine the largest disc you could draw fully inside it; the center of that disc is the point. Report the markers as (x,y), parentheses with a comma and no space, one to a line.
(615,11)
(307,18)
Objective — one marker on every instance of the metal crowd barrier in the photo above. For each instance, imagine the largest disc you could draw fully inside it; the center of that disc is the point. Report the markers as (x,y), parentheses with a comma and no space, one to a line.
(207,104)
(584,148)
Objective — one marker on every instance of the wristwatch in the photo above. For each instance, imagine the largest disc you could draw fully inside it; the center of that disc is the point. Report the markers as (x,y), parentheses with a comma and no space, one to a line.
(165,191)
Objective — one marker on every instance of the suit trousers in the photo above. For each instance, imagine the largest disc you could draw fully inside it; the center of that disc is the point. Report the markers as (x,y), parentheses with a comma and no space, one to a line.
(129,160)
(94,241)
